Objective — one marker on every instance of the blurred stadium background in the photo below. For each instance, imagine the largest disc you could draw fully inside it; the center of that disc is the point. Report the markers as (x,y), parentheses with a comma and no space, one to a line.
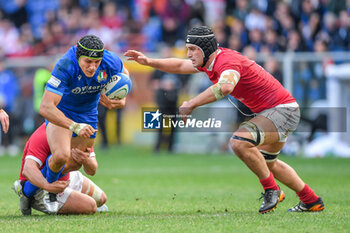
(303,43)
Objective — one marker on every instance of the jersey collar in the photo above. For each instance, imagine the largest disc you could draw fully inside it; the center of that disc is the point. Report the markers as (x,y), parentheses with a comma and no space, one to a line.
(210,68)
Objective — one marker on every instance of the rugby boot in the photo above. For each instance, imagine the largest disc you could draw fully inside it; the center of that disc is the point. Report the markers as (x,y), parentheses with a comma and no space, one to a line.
(50,202)
(270,200)
(24,202)
(102,208)
(312,207)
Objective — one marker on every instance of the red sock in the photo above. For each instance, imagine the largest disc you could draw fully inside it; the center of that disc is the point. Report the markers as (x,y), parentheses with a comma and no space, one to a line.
(307,195)
(269,183)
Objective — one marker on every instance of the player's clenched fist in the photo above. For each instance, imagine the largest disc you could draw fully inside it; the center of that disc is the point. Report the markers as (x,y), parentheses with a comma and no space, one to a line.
(57,186)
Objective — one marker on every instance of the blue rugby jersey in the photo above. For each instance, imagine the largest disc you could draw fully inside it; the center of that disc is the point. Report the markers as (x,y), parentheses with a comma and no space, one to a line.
(80,94)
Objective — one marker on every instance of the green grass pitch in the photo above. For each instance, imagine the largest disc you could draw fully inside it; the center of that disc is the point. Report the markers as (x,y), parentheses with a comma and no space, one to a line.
(187,193)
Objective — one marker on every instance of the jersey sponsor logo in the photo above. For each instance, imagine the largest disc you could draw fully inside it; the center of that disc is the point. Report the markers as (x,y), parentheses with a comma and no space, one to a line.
(88,89)
(93,89)
(53,81)
(102,76)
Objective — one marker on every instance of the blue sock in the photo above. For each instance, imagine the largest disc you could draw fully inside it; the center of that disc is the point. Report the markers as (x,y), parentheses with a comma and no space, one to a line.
(50,175)
(29,189)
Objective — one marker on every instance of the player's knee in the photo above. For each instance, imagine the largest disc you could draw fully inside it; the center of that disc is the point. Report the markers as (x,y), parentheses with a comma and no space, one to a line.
(61,156)
(233,143)
(270,158)
(93,207)
(239,146)
(103,199)
(90,207)
(271,166)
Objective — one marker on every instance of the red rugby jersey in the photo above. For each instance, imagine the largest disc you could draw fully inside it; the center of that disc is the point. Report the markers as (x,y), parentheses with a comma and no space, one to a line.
(38,149)
(256,88)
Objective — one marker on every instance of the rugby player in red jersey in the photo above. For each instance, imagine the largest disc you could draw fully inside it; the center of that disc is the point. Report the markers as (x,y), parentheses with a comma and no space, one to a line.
(76,193)
(257,142)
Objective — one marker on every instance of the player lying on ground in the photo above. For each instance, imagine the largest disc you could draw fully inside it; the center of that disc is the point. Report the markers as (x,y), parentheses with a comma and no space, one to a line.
(77,193)
(258,141)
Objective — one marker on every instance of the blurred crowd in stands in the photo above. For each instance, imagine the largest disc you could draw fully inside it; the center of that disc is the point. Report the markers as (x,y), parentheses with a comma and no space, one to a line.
(45,27)
(49,27)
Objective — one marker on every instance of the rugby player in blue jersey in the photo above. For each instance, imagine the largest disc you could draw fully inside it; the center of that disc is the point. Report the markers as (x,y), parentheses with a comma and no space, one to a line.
(71,96)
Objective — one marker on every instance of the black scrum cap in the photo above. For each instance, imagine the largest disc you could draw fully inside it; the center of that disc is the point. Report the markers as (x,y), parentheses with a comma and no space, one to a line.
(204,38)
(90,46)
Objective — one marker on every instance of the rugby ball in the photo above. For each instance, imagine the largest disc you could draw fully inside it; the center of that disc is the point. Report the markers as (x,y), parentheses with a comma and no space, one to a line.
(117,87)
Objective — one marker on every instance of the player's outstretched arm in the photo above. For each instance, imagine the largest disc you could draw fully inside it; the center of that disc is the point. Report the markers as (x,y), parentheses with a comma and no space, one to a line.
(31,171)
(5,122)
(225,85)
(213,93)
(170,65)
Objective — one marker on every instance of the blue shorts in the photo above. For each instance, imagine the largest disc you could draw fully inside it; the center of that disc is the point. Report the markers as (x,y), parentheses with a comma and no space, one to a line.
(94,125)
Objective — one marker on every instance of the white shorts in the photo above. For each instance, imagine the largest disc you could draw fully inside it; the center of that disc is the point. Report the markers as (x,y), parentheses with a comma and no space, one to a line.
(76,184)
